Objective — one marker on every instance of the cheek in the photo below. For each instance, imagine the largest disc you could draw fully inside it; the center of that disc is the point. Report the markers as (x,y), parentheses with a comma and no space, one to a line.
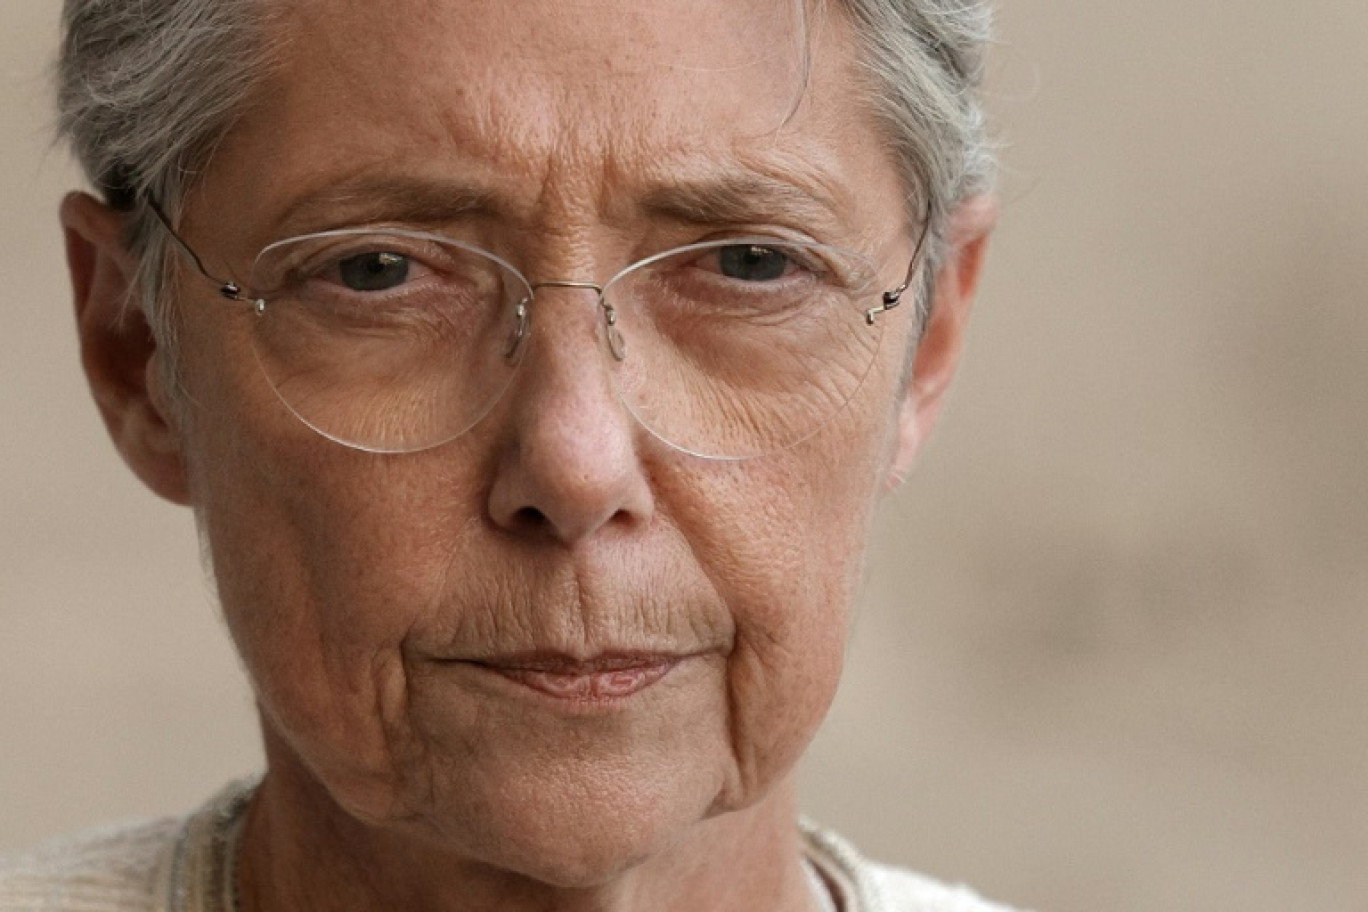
(788,561)
(318,552)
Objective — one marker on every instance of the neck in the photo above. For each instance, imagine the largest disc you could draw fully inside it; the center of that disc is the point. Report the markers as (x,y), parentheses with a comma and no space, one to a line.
(302,852)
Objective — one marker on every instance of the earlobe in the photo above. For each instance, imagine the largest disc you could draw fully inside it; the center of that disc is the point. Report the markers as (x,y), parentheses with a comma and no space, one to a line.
(118,349)
(938,352)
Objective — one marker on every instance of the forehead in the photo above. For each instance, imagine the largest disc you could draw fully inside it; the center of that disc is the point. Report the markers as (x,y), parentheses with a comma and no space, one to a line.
(523,57)
(555,43)
(540,100)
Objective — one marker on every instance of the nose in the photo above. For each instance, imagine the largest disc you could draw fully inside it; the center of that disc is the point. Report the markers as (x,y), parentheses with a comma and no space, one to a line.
(568,463)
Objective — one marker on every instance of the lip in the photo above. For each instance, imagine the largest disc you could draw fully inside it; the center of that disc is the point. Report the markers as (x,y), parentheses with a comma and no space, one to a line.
(606,677)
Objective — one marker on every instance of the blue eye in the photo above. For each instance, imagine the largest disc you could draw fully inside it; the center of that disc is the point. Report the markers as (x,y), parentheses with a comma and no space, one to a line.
(753,263)
(377,271)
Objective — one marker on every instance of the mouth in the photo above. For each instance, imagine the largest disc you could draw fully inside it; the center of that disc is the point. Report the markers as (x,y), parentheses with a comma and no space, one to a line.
(606,677)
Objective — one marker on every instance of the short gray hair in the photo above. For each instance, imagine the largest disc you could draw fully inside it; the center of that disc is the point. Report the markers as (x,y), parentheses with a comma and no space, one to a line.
(924,60)
(145,92)
(148,89)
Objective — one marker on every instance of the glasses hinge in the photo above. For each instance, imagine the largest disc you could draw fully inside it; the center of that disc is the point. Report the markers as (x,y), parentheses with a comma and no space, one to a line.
(891,299)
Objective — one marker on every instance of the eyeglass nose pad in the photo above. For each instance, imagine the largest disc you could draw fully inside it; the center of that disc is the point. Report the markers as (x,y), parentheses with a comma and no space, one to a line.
(616,344)
(519,335)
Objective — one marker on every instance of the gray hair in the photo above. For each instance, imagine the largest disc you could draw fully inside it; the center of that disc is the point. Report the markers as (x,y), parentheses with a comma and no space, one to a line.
(924,60)
(148,89)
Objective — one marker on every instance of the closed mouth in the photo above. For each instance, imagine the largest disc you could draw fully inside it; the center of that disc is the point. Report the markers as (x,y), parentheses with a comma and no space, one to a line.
(608,676)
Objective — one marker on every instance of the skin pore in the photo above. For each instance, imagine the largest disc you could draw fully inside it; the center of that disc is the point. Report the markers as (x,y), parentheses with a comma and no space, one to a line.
(378,601)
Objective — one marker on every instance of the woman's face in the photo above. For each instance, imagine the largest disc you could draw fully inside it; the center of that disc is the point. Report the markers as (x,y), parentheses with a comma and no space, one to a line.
(555,643)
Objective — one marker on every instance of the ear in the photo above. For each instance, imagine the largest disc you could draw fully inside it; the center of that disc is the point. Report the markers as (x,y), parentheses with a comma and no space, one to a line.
(938,351)
(118,349)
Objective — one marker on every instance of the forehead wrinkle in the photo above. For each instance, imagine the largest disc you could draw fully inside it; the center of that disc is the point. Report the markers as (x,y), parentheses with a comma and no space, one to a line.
(526,142)
(649,168)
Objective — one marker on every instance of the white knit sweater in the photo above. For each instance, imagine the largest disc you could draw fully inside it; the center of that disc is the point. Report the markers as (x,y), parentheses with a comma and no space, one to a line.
(187,865)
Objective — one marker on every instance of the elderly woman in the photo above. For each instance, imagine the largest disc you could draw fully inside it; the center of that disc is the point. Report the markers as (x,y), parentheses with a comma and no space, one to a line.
(533,369)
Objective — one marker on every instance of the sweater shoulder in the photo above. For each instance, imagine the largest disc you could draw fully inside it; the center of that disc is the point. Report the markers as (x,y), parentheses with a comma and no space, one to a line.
(906,891)
(870,886)
(113,869)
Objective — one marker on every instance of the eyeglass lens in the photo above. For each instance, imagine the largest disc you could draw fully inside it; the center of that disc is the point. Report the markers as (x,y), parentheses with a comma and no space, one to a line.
(397,341)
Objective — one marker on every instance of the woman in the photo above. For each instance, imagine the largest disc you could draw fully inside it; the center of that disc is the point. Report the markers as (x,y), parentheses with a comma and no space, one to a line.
(533,370)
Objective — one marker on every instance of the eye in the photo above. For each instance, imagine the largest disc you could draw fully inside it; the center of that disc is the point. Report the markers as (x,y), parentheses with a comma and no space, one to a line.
(753,262)
(374,271)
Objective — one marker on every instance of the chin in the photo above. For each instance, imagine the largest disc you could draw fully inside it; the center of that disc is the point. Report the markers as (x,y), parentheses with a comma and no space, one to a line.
(578,844)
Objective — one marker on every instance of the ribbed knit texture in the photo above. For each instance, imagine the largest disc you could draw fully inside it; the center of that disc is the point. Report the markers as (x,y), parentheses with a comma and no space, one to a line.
(120,869)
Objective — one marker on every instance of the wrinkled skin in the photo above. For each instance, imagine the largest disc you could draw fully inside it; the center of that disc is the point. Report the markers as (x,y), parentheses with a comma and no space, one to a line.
(362,590)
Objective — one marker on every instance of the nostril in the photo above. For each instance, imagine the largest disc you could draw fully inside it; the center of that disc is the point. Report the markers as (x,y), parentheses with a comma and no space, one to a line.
(529,519)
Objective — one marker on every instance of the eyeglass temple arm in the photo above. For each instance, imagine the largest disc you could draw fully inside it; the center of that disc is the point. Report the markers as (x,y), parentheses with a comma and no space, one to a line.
(230,290)
(893,297)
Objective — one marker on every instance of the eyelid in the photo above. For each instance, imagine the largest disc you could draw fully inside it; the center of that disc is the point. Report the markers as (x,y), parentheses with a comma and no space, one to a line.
(849,266)
(310,254)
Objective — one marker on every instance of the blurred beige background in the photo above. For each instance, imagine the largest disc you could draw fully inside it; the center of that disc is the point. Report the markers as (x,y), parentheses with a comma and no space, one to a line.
(1114,650)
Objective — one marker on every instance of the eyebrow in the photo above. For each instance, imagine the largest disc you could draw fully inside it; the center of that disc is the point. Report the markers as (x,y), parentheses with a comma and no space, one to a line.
(736,199)
(716,200)
(375,198)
